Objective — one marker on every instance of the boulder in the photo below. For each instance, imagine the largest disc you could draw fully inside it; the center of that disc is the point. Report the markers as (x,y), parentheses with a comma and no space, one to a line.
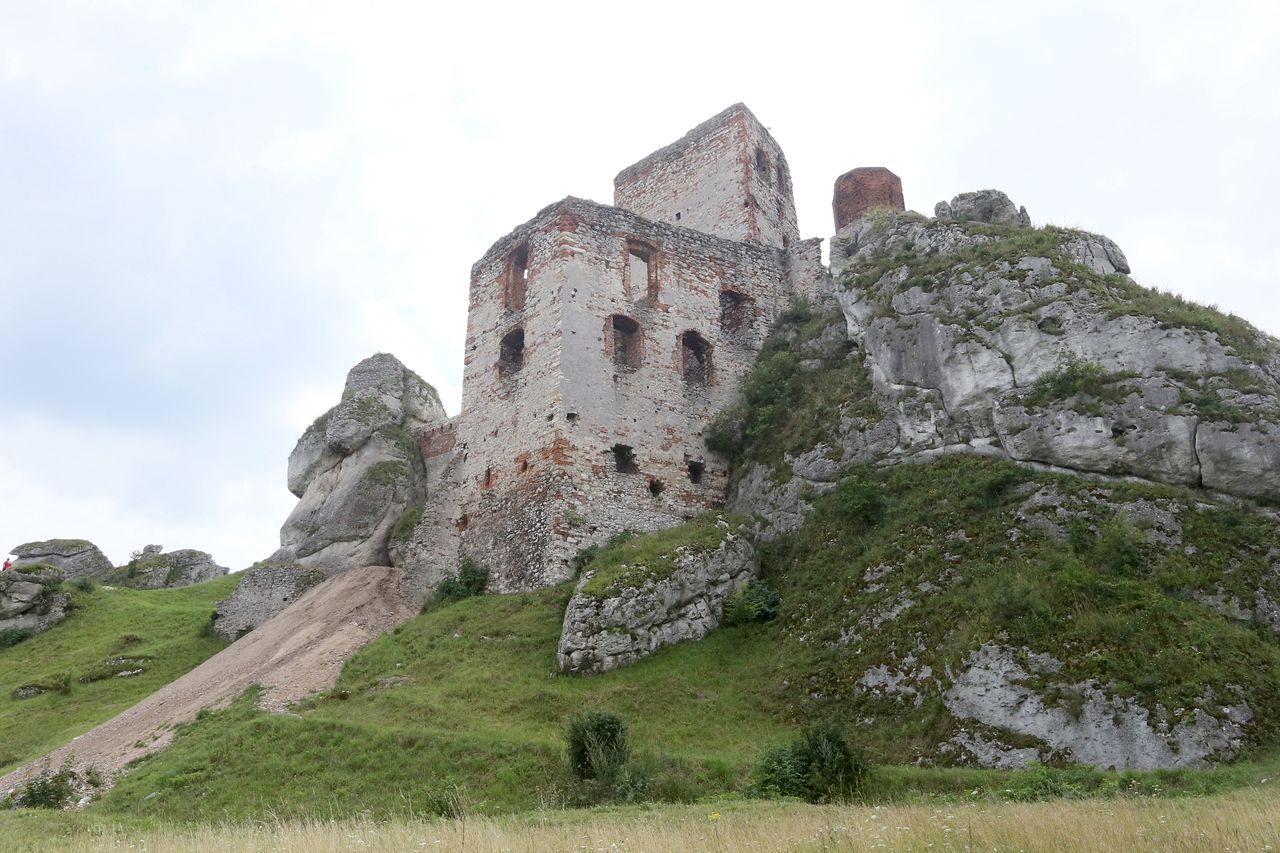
(603,633)
(154,569)
(30,600)
(264,591)
(358,467)
(77,558)
(990,206)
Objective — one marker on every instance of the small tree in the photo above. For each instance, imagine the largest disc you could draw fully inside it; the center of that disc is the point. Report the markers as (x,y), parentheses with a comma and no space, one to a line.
(819,767)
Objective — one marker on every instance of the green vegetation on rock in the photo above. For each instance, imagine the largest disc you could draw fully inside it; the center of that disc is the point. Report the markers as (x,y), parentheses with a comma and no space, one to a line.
(632,562)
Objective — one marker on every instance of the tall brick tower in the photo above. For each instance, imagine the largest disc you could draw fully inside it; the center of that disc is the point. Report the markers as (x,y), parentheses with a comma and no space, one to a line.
(601,341)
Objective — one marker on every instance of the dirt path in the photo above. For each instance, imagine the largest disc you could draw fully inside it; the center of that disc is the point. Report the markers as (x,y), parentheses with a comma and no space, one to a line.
(297,652)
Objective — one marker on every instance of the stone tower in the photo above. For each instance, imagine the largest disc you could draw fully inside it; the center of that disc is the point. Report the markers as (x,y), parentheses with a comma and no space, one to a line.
(601,341)
(727,176)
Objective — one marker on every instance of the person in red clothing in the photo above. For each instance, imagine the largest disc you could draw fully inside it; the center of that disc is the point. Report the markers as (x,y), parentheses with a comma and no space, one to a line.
(8,564)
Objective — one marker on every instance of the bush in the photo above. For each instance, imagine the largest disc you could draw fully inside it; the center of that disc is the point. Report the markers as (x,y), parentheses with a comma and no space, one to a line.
(597,742)
(49,790)
(10,637)
(85,584)
(470,580)
(1074,375)
(819,767)
(754,601)
(408,520)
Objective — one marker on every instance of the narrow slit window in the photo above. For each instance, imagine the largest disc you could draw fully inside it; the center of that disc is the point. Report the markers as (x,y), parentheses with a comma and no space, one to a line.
(695,471)
(517,278)
(624,459)
(625,340)
(695,359)
(511,353)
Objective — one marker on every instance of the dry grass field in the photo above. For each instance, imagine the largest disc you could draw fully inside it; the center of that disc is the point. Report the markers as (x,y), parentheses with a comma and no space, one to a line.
(1241,821)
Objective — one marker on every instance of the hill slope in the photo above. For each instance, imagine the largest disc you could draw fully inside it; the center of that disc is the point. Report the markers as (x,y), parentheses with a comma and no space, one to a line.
(162,632)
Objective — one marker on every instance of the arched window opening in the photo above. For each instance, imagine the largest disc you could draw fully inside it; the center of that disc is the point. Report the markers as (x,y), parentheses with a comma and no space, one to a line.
(511,353)
(624,341)
(517,278)
(695,359)
(735,311)
(642,270)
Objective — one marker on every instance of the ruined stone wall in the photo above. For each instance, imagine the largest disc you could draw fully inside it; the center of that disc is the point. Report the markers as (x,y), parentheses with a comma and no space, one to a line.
(635,334)
(728,177)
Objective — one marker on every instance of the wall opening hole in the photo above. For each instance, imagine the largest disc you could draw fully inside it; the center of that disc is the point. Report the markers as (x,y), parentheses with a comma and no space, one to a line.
(695,358)
(524,465)
(624,459)
(695,471)
(763,166)
(642,269)
(462,522)
(624,340)
(735,311)
(488,478)
(511,352)
(656,487)
(677,216)
(517,277)
(571,416)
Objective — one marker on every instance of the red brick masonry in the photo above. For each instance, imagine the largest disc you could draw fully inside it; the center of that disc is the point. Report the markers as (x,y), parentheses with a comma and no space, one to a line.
(863,188)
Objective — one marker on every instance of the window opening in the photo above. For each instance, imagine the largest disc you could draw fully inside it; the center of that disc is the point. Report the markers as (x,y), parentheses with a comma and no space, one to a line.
(625,340)
(624,459)
(695,358)
(488,478)
(695,471)
(656,487)
(517,278)
(643,272)
(511,353)
(735,311)
(763,166)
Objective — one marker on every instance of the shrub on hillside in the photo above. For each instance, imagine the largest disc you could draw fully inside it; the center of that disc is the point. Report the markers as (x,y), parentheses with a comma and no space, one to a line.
(470,580)
(819,766)
(85,584)
(49,790)
(754,601)
(597,742)
(10,637)
(599,761)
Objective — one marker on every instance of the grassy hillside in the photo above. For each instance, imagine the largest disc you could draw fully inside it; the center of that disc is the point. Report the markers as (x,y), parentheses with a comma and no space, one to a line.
(108,631)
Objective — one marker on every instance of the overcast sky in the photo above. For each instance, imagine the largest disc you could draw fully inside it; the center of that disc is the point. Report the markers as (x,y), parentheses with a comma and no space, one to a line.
(210,211)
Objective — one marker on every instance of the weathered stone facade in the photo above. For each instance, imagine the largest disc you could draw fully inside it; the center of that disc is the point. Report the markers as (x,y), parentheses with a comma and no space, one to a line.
(600,343)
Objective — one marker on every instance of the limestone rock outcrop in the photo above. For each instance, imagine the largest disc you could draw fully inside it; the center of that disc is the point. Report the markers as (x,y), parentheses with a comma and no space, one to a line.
(263,592)
(153,568)
(77,558)
(603,632)
(31,601)
(990,206)
(358,467)
(1040,349)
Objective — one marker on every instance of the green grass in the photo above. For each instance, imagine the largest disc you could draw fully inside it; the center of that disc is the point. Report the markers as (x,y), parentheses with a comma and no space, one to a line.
(1111,606)
(634,561)
(171,624)
(485,712)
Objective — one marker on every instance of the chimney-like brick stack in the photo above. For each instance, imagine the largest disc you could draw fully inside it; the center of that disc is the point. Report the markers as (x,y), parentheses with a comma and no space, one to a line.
(863,188)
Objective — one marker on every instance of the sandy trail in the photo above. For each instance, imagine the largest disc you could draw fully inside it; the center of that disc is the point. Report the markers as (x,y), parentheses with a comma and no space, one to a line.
(297,652)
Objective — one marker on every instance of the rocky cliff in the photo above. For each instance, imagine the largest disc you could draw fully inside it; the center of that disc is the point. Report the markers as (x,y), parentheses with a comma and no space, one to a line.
(358,467)
(77,558)
(1081,563)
